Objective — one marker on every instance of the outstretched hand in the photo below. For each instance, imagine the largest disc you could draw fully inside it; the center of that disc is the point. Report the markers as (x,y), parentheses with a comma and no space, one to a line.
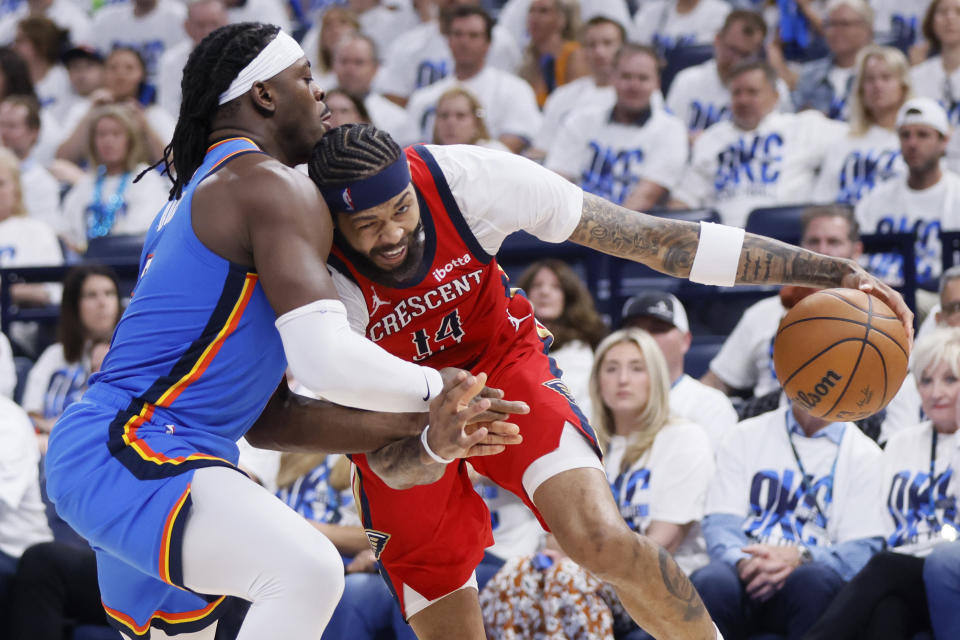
(858,278)
(457,425)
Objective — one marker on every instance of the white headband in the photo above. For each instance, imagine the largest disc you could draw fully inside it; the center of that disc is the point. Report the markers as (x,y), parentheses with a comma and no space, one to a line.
(282,52)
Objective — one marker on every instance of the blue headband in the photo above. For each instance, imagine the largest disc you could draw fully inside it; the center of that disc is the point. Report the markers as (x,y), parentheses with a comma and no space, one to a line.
(368,192)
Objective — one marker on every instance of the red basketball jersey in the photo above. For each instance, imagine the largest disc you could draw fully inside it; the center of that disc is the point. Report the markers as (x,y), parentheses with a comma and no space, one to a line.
(458,310)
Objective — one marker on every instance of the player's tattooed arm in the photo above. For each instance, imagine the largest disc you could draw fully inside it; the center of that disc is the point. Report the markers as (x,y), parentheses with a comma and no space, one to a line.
(669,246)
(295,423)
(405,464)
(453,433)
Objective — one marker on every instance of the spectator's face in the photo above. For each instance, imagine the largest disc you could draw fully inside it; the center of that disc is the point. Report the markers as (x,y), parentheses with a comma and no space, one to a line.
(546,295)
(203,18)
(544,19)
(949,313)
(342,109)
(110,142)
(123,75)
(939,387)
(86,75)
(624,380)
(752,98)
(846,31)
(468,41)
(455,123)
(600,44)
(735,45)
(921,147)
(335,25)
(14,132)
(99,306)
(635,79)
(24,47)
(673,342)
(8,193)
(355,66)
(882,87)
(830,235)
(946,22)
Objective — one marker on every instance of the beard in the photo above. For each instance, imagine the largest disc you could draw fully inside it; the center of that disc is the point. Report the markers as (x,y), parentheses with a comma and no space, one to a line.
(402,273)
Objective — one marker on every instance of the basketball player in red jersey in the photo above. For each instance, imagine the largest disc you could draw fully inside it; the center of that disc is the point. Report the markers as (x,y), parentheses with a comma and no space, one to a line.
(414,263)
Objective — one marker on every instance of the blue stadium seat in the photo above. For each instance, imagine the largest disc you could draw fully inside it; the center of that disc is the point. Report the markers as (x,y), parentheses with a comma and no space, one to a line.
(22,364)
(680,58)
(119,248)
(91,632)
(701,352)
(782,223)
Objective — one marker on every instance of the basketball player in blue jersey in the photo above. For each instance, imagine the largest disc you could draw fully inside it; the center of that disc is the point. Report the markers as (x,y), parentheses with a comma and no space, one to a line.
(414,261)
(233,289)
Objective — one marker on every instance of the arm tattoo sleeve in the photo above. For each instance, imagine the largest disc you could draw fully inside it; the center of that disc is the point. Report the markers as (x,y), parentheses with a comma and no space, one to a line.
(403,464)
(679,586)
(669,246)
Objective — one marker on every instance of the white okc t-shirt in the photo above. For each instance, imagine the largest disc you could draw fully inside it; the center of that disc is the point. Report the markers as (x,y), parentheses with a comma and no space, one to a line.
(858,164)
(894,207)
(421,56)
(582,93)
(608,158)
(509,104)
(668,483)
(912,517)
(758,478)
(658,24)
(736,171)
(703,405)
(151,35)
(699,97)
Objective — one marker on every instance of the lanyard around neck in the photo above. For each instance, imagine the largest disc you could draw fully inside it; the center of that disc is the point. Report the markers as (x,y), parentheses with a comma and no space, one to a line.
(804,481)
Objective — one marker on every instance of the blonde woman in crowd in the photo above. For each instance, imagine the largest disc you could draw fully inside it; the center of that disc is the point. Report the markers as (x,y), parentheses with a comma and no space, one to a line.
(105,201)
(867,151)
(659,468)
(553,57)
(319,42)
(124,77)
(459,120)
(24,241)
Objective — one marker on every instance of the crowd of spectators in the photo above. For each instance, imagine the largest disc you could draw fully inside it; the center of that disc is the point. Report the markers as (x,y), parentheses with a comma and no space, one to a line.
(846,107)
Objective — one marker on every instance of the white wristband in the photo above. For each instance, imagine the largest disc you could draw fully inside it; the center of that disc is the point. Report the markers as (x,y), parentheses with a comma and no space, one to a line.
(436,458)
(718,255)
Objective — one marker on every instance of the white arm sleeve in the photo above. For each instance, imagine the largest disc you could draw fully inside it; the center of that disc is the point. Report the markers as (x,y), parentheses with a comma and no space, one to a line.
(328,358)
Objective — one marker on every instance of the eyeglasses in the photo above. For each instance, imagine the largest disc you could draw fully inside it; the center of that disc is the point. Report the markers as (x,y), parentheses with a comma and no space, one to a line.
(951,308)
(843,24)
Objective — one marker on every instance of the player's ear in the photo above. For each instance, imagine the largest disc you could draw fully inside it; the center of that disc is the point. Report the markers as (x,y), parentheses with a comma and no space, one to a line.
(263,97)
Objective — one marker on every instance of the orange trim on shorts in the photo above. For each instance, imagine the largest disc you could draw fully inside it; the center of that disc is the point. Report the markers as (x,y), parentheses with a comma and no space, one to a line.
(171,394)
(164,564)
(175,618)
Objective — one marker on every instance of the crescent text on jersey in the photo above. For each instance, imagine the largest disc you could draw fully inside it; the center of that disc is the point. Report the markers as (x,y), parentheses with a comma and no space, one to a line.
(414,306)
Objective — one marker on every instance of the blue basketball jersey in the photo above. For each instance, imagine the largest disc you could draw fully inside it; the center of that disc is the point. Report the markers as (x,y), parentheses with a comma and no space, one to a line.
(197,348)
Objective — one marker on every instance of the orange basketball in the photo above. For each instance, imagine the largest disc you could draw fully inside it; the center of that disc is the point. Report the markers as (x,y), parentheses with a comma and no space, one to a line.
(841,354)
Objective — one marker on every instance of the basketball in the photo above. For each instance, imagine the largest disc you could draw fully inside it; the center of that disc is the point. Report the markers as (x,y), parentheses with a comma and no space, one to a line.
(841,354)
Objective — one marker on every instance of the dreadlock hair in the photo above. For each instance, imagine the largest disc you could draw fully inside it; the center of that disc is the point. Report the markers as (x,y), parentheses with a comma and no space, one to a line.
(351,152)
(210,69)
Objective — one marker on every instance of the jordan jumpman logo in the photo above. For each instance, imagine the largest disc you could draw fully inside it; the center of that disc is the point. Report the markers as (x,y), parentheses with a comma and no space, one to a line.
(516,321)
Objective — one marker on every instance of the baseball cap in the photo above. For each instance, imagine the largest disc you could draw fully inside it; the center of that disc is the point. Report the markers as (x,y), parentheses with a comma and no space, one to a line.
(656,304)
(924,111)
(82,51)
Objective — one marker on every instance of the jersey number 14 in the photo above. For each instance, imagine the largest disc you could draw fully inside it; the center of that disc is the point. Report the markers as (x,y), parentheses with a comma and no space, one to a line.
(450,329)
